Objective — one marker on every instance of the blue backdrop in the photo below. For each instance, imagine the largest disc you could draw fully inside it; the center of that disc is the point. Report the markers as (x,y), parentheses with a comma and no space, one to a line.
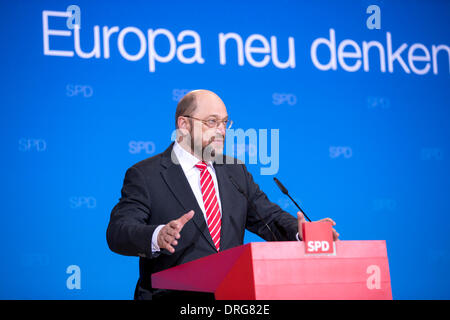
(360,101)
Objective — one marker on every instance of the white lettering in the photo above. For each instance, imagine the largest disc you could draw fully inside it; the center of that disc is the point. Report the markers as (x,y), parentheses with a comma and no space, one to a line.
(434,51)
(50,32)
(343,54)
(396,56)
(331,44)
(152,54)
(366,46)
(197,57)
(417,53)
(412,58)
(269,50)
(95,51)
(265,49)
(256,49)
(120,44)
(106,35)
(223,38)
(290,62)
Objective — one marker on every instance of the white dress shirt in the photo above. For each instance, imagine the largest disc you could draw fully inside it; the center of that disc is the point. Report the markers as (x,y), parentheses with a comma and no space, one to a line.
(188,162)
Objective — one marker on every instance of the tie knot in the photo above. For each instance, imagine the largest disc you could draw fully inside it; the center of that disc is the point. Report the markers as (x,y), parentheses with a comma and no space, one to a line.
(201,165)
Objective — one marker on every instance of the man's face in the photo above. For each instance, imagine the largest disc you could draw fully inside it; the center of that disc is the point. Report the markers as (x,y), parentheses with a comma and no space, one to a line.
(209,142)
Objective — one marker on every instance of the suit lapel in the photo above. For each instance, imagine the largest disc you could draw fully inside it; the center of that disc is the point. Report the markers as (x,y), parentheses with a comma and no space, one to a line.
(178,184)
(226,201)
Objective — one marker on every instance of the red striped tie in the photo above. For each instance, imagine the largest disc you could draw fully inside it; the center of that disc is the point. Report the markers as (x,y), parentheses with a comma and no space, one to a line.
(210,202)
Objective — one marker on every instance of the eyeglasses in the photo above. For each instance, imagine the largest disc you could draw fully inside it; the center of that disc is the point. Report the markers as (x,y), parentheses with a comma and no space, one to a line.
(214,123)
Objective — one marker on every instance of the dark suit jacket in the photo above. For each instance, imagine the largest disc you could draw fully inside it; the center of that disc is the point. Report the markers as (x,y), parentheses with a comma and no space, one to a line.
(156,191)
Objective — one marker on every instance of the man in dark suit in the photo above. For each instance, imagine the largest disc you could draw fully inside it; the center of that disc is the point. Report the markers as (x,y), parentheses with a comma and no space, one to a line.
(192,201)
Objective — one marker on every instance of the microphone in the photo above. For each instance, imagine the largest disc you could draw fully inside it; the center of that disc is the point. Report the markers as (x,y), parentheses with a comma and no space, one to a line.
(252,205)
(284,190)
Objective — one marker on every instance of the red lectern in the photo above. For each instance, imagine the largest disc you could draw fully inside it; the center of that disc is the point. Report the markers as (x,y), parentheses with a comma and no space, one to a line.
(285,271)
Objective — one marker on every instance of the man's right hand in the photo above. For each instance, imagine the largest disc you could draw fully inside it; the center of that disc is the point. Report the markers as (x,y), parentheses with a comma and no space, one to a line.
(170,233)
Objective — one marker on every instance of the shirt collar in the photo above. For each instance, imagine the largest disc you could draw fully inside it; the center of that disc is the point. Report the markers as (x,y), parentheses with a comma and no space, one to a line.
(186,159)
